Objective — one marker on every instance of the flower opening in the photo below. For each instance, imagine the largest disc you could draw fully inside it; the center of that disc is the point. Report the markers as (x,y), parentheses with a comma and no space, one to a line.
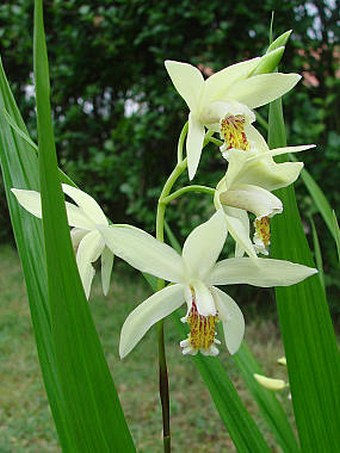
(202,333)
(232,132)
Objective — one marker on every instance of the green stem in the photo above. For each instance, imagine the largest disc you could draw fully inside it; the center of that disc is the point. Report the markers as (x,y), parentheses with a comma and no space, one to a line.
(160,218)
(184,190)
(164,389)
(176,173)
(215,141)
(181,140)
(163,372)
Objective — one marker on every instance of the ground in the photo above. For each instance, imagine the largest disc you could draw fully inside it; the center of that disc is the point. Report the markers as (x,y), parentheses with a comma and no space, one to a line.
(25,419)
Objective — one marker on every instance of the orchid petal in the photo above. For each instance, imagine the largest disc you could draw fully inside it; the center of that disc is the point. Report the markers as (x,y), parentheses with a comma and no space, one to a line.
(152,310)
(144,252)
(259,272)
(237,159)
(262,172)
(256,140)
(203,246)
(106,269)
(262,150)
(213,112)
(253,199)
(270,383)
(203,299)
(88,204)
(232,319)
(240,250)
(194,144)
(237,222)
(290,149)
(187,80)
(262,89)
(77,218)
(219,83)
(31,201)
(77,235)
(89,250)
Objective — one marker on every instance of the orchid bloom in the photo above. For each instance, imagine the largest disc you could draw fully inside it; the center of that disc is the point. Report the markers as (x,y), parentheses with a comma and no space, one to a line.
(270,383)
(194,275)
(247,185)
(84,217)
(223,102)
(273,384)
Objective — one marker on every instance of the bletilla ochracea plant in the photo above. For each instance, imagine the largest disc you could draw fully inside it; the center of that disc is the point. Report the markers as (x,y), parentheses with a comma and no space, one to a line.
(221,104)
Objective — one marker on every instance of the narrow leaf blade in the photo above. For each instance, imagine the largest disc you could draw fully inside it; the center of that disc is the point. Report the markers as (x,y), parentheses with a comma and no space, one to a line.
(307,331)
(93,412)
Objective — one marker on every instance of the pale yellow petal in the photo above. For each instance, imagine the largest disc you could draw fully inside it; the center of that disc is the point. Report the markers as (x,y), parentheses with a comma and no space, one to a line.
(152,310)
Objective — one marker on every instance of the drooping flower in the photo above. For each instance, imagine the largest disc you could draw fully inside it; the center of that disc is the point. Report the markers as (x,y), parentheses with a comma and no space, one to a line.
(84,217)
(195,275)
(273,384)
(270,383)
(223,102)
(247,185)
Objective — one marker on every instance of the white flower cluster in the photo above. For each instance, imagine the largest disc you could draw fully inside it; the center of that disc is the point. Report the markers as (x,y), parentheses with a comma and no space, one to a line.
(221,104)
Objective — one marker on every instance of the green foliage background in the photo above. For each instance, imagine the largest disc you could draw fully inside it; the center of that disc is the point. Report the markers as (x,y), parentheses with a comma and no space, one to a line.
(117,116)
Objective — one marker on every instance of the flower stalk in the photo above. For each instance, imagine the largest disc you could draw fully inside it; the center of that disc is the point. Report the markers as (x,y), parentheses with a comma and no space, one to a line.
(194,188)
(160,216)
(164,199)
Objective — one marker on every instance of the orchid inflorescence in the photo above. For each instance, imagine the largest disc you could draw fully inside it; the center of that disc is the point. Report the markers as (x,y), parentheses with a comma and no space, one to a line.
(222,104)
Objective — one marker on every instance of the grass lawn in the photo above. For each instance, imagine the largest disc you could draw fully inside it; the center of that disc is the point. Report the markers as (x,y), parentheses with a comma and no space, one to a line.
(26,423)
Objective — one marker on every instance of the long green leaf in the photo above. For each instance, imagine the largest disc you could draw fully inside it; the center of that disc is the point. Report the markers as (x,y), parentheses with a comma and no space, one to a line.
(318,254)
(93,412)
(319,198)
(337,233)
(20,169)
(307,331)
(23,134)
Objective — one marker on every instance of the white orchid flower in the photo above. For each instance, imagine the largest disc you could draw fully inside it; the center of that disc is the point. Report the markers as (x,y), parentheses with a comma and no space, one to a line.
(84,217)
(247,185)
(224,101)
(195,274)
(273,384)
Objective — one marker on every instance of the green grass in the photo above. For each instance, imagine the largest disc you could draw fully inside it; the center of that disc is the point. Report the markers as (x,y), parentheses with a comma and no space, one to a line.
(25,419)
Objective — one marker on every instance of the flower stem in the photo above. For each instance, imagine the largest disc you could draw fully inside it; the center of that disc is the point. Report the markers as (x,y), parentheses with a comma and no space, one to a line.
(163,372)
(164,389)
(160,216)
(183,190)
(177,171)
(181,140)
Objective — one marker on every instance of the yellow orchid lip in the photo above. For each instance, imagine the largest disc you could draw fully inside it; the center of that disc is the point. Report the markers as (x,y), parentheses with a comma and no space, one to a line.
(202,329)
(262,234)
(232,132)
